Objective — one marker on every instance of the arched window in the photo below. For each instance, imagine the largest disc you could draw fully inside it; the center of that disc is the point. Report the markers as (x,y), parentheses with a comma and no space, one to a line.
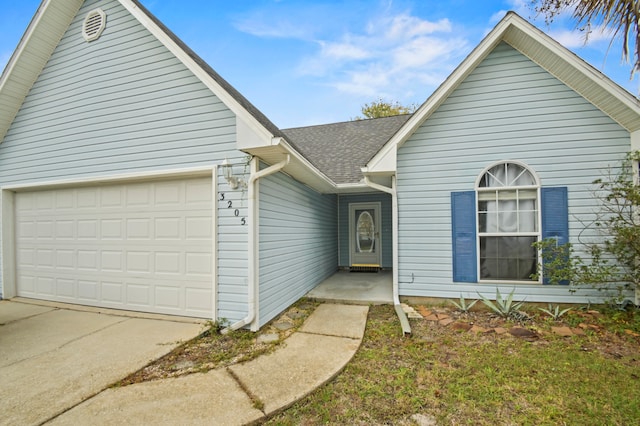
(508,222)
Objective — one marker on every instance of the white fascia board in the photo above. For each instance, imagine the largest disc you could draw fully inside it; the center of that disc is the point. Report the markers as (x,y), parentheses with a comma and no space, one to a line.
(206,79)
(114,179)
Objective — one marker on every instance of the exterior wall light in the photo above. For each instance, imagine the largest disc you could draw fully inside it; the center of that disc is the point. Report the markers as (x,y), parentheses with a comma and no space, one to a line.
(233,181)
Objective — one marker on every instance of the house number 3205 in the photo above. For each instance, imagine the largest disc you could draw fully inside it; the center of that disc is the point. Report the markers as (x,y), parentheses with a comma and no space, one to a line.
(236,212)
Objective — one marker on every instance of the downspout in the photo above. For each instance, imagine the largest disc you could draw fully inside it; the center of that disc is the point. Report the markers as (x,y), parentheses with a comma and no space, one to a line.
(404,322)
(252,188)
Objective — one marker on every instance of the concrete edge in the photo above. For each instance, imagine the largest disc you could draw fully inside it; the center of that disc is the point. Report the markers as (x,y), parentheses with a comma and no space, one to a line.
(108,311)
(339,301)
(329,379)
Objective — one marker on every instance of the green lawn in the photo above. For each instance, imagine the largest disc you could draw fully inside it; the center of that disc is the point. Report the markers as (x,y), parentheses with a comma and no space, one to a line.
(483,379)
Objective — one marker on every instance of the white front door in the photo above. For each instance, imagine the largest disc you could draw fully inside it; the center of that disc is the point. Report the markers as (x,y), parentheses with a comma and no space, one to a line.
(364,234)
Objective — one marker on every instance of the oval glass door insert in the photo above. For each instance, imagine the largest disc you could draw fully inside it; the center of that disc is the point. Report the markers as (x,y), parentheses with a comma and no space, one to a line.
(365,232)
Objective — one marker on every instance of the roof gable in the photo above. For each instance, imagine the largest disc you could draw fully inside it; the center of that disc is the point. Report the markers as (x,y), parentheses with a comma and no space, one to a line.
(49,25)
(563,64)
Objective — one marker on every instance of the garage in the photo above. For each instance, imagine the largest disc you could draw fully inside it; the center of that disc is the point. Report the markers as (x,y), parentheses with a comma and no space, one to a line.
(142,246)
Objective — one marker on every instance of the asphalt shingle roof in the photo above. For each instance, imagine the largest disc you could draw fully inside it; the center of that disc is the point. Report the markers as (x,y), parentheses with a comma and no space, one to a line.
(339,150)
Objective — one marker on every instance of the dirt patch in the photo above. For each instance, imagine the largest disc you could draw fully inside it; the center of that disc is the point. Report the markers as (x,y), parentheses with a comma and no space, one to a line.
(593,330)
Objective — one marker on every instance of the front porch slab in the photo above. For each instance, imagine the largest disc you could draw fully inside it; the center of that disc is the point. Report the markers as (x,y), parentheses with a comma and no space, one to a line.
(356,288)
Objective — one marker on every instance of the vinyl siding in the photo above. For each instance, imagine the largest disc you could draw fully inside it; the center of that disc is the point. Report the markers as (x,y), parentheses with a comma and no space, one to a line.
(122,104)
(298,242)
(386,222)
(232,248)
(507,109)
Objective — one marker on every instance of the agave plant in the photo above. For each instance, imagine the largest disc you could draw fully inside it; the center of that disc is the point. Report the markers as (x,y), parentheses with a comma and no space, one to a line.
(463,306)
(503,307)
(555,313)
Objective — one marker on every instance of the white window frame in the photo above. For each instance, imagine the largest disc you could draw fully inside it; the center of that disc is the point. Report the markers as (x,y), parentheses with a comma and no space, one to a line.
(538,234)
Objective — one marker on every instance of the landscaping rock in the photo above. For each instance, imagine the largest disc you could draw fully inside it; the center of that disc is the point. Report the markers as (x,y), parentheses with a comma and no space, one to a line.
(432,317)
(500,330)
(423,311)
(562,331)
(296,315)
(522,333)
(477,329)
(631,333)
(268,338)
(410,312)
(461,326)
(592,327)
(445,322)
(282,326)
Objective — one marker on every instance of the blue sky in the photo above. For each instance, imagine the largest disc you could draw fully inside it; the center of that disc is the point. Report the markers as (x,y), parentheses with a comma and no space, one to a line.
(313,62)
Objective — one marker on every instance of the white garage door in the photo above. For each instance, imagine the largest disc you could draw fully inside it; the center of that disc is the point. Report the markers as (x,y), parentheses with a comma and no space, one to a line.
(137,246)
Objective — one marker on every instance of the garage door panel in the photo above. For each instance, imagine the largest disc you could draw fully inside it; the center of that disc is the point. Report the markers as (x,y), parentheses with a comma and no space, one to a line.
(141,246)
(88,291)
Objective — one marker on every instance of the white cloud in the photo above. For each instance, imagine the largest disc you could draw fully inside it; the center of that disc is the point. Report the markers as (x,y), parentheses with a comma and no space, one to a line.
(405,26)
(424,51)
(574,39)
(388,57)
(260,27)
(365,51)
(344,51)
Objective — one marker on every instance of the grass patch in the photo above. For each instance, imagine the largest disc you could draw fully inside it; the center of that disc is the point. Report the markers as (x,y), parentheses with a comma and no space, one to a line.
(482,379)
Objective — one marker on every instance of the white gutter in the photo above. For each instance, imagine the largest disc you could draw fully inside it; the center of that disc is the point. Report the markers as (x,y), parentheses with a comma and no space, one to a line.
(252,187)
(404,322)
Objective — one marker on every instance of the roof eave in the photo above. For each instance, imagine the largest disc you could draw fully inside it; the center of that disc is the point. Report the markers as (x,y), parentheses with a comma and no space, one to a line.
(41,37)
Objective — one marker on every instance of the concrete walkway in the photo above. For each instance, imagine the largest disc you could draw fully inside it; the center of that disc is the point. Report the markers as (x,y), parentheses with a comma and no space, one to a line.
(243,393)
(53,358)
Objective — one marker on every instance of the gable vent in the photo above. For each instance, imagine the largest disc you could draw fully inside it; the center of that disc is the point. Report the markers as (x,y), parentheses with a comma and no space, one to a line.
(94,24)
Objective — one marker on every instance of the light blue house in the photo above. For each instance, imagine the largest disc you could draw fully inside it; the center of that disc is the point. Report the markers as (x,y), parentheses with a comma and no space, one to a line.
(134,177)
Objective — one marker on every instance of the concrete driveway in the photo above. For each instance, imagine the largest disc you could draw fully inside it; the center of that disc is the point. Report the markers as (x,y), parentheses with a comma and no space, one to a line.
(54,356)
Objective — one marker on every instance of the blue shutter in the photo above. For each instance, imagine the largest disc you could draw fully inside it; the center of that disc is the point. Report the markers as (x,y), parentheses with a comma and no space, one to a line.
(555,215)
(463,235)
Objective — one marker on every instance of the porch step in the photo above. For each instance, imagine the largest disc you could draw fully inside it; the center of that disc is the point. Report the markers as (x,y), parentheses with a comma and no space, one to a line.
(364,268)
